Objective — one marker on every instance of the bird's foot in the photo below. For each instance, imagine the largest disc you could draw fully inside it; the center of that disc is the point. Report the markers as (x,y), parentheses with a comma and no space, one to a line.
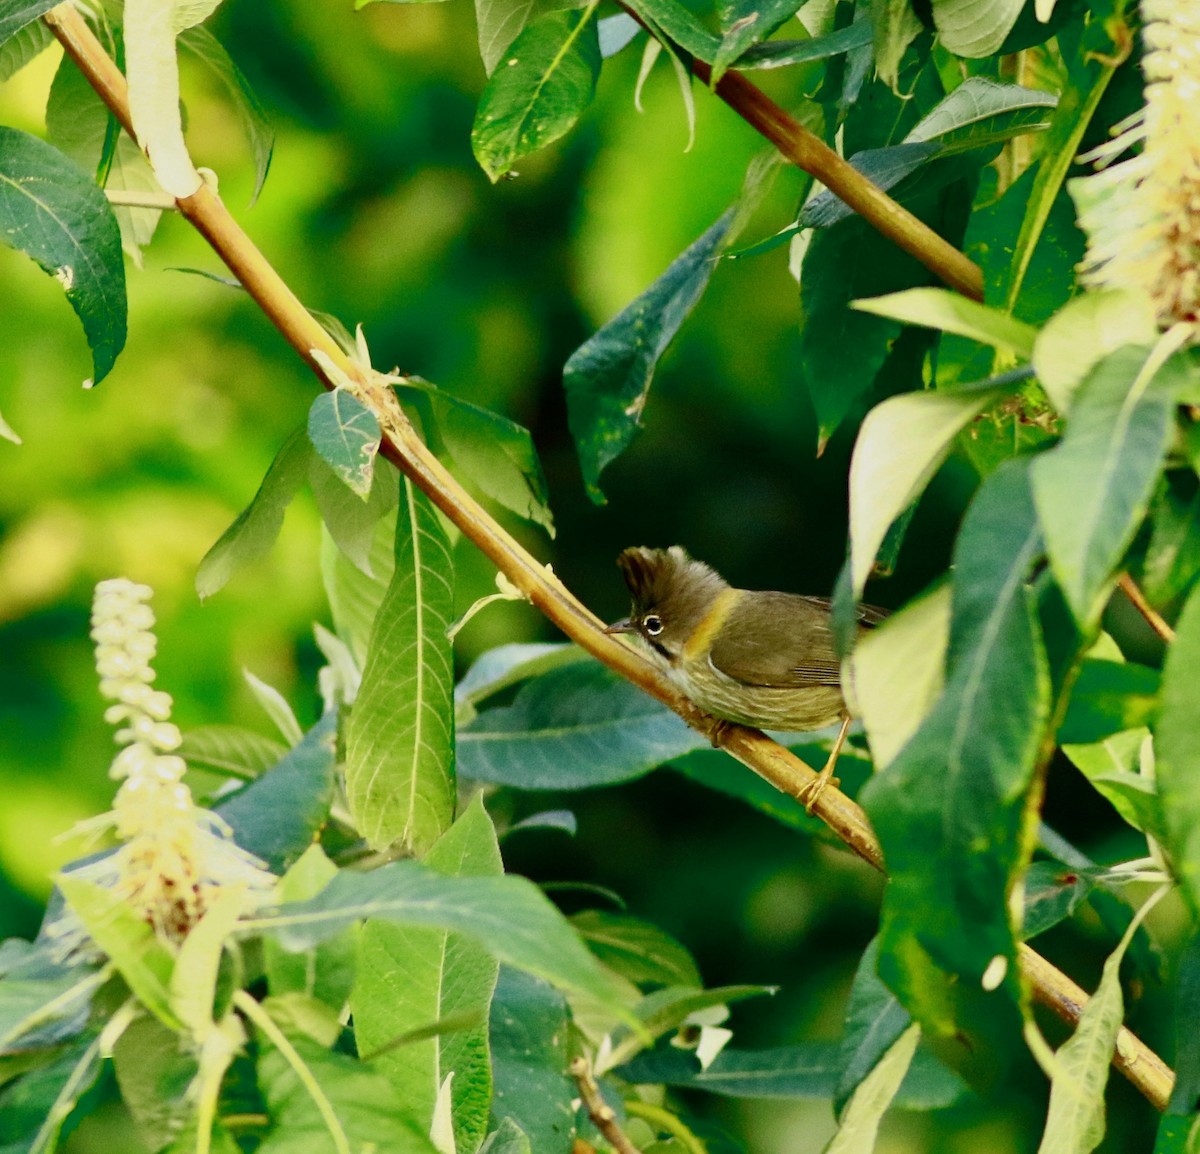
(819,784)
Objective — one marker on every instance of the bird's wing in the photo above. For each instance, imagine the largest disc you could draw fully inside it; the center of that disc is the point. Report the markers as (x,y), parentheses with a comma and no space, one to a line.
(777,639)
(782,640)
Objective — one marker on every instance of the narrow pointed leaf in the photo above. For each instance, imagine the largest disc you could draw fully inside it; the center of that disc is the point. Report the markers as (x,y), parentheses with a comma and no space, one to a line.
(54,213)
(608,377)
(400,737)
(781,53)
(1177,747)
(859,1123)
(950,810)
(345,433)
(538,91)
(1093,489)
(412,976)
(677,22)
(899,448)
(254,531)
(939,308)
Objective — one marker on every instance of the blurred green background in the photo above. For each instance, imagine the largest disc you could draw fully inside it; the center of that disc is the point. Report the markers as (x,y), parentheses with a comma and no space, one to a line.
(375,211)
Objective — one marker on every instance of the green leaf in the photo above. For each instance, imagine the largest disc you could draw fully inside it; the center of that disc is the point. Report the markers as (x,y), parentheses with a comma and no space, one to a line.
(573,728)
(1075,1119)
(1177,749)
(496,454)
(412,976)
(875,1020)
(1110,767)
(23,47)
(500,22)
(254,531)
(895,27)
(129,943)
(1092,490)
(982,112)
(743,23)
(193,984)
(354,596)
(351,521)
(1085,331)
(539,91)
(530,1041)
(15,14)
(781,53)
(277,816)
(607,379)
(509,915)
(228,749)
(897,672)
(507,1138)
(507,665)
(842,349)
(1173,555)
(55,214)
(1025,210)
(975,30)
(950,809)
(345,433)
(900,446)
(365,1105)
(1109,697)
(253,116)
(400,737)
(808,1070)
(858,1125)
(676,21)
(155,1068)
(1052,894)
(637,950)
(35,1106)
(884,167)
(1185,1094)
(326,971)
(939,308)
(42,1001)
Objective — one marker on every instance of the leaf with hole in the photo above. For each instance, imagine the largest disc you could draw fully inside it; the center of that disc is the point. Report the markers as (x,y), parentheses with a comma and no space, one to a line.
(345,433)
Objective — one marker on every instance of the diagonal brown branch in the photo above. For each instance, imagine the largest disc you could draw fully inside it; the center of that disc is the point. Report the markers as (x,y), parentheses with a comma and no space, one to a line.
(405,449)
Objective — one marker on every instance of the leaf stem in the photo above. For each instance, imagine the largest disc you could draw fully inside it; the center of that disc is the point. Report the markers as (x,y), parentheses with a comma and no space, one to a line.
(600,1112)
(405,449)
(1153,618)
(264,1022)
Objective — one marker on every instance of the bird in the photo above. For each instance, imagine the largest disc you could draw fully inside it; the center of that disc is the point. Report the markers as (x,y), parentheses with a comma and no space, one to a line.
(756,658)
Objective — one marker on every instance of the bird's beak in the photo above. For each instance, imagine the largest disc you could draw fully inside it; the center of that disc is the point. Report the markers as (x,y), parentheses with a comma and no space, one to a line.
(623,626)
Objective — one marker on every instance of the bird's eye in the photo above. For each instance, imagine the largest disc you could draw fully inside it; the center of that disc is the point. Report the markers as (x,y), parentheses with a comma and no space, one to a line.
(652,624)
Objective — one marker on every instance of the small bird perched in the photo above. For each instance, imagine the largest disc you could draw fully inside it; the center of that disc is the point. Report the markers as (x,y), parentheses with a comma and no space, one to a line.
(754,658)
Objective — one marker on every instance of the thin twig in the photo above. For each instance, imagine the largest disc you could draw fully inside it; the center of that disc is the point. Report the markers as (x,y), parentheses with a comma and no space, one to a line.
(601,1113)
(808,151)
(408,452)
(1153,618)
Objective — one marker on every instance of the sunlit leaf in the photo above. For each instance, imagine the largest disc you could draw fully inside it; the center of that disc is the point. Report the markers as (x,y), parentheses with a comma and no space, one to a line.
(939,308)
(899,448)
(538,91)
(975,30)
(1177,749)
(400,738)
(1093,489)
(55,214)
(636,949)
(858,1125)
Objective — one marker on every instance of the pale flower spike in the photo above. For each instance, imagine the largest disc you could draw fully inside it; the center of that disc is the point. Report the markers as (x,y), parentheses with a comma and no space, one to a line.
(176,857)
(1142,216)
